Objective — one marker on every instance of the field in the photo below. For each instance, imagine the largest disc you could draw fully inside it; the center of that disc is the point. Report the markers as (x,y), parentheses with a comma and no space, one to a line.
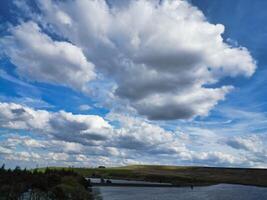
(181,176)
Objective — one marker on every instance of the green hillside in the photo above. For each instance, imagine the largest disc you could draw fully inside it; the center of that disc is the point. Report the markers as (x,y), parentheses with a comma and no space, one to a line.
(179,175)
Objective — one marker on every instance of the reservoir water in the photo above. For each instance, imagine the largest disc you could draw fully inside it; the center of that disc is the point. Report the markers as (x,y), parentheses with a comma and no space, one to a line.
(215,192)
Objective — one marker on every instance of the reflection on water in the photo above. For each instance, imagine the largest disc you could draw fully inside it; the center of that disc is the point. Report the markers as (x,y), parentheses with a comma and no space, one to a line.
(216,192)
(97,193)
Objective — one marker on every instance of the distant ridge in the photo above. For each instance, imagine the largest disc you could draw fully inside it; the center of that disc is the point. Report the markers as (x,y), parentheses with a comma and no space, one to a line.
(180,175)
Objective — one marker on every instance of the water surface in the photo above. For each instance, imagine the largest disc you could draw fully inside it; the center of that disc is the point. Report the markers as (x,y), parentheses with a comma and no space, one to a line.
(215,192)
(98,180)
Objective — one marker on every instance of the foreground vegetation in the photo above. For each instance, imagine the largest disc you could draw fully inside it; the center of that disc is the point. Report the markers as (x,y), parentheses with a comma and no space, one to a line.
(42,185)
(181,176)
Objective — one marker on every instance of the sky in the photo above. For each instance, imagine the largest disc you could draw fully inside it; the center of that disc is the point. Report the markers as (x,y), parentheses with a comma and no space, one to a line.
(93,82)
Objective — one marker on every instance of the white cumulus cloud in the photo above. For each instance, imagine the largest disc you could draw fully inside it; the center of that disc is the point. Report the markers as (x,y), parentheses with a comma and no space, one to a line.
(39,58)
(163,57)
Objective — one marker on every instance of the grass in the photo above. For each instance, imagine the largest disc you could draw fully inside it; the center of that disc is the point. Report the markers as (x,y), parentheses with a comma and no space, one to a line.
(180,175)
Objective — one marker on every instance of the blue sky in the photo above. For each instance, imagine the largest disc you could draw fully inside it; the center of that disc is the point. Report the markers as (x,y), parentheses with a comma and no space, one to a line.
(89,83)
(245,22)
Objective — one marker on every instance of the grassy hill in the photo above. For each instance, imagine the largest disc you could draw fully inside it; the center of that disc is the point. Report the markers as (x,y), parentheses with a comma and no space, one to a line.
(182,176)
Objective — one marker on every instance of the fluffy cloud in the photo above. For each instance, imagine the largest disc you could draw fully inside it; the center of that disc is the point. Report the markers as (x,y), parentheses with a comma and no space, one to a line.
(62,125)
(86,129)
(163,57)
(143,137)
(69,153)
(77,130)
(15,116)
(39,58)
(65,138)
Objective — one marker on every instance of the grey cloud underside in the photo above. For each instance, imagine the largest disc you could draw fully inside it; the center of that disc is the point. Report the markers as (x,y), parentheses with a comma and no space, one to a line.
(89,130)
(62,125)
(146,49)
(252,143)
(166,113)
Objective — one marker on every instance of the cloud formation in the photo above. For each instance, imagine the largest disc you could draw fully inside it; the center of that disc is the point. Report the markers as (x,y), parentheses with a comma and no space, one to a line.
(39,58)
(164,57)
(252,143)
(70,139)
(140,60)
(89,130)
(61,125)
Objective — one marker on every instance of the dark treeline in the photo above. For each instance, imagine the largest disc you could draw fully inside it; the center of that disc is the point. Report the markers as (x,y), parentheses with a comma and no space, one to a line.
(18,184)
